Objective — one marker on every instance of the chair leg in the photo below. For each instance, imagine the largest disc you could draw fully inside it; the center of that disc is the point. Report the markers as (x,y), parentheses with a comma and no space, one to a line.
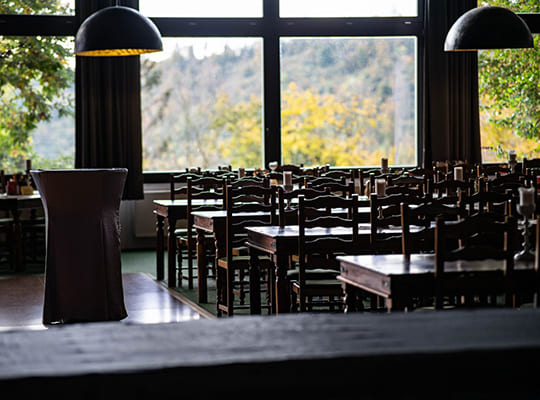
(230,291)
(179,258)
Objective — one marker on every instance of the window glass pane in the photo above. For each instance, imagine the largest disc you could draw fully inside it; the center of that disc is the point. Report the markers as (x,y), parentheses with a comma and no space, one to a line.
(509,95)
(47,7)
(202,104)
(348,101)
(202,8)
(347,8)
(38,98)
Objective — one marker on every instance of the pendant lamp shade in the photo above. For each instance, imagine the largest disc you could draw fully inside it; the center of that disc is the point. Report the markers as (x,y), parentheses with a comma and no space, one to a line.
(488,28)
(117,31)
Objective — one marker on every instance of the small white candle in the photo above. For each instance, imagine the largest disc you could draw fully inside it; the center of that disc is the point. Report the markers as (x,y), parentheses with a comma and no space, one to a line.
(384,164)
(380,187)
(458,173)
(241,172)
(526,196)
(287,178)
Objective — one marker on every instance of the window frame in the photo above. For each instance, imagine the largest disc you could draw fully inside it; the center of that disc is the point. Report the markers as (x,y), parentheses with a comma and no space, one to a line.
(270,28)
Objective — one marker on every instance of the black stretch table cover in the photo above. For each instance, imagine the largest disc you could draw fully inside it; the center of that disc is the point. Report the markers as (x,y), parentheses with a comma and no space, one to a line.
(495,353)
(83,277)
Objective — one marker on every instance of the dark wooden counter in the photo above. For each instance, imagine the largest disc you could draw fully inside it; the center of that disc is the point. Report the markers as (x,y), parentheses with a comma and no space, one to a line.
(485,354)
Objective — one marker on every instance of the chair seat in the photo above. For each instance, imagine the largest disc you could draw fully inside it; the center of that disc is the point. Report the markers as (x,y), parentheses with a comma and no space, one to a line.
(321,284)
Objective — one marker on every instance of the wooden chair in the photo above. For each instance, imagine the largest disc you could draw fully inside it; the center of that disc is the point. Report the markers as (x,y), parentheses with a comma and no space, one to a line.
(451,187)
(337,186)
(204,188)
(487,201)
(529,164)
(288,203)
(385,213)
(475,235)
(316,284)
(178,184)
(246,206)
(7,243)
(418,224)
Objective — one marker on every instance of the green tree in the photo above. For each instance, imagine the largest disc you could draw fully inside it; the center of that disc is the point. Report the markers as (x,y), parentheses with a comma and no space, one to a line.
(34,82)
(510,88)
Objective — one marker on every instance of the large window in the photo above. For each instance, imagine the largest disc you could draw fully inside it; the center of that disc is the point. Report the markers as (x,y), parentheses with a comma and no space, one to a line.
(201,104)
(331,82)
(348,8)
(348,101)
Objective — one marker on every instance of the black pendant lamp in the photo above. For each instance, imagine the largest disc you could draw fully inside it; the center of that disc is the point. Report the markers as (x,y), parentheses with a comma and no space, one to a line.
(488,27)
(117,31)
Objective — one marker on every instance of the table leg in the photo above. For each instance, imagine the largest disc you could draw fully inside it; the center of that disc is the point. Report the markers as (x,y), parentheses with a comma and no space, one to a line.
(282,296)
(160,262)
(202,267)
(171,253)
(254,283)
(220,238)
(17,234)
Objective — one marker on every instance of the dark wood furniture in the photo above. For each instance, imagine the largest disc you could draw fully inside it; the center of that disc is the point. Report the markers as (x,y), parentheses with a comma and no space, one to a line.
(233,268)
(314,283)
(171,211)
(15,205)
(401,278)
(481,237)
(307,356)
(281,243)
(198,189)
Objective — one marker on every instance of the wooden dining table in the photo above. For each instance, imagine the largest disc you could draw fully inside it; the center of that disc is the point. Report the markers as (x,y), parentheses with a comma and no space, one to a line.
(398,277)
(15,204)
(171,211)
(282,242)
(214,222)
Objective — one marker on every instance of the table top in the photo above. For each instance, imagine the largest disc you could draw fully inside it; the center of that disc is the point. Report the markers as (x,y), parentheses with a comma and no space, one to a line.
(400,264)
(184,202)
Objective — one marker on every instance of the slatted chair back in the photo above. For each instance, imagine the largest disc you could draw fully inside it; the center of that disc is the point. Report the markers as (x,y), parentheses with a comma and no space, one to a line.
(418,224)
(338,186)
(349,175)
(178,184)
(236,182)
(319,252)
(409,181)
(205,193)
(296,169)
(487,201)
(248,199)
(529,163)
(385,213)
(246,206)
(288,203)
(475,234)
(451,187)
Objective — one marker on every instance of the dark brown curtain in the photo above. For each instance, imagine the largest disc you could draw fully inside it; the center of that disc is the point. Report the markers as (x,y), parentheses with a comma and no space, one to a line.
(451,113)
(108,96)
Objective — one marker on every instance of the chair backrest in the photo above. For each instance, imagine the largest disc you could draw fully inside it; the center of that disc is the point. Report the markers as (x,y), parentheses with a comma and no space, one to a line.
(450,187)
(337,186)
(409,181)
(529,164)
(475,234)
(236,182)
(178,184)
(487,201)
(349,175)
(288,203)
(248,206)
(385,213)
(317,213)
(418,224)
